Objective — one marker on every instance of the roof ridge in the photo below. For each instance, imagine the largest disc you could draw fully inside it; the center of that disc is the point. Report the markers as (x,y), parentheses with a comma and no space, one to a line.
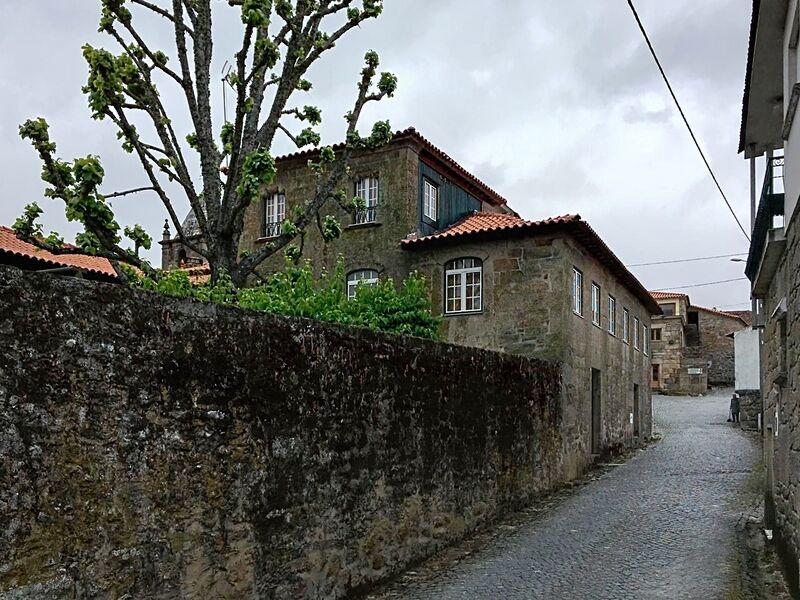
(412,132)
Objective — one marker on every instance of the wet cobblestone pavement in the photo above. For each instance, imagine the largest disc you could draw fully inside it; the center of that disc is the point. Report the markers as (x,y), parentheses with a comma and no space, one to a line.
(660,526)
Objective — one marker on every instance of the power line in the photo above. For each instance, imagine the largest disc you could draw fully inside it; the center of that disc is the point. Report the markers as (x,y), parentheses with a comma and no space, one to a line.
(685,120)
(732,305)
(685,260)
(695,285)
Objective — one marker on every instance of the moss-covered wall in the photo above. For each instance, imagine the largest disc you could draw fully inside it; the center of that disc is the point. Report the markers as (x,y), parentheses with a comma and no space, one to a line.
(156,448)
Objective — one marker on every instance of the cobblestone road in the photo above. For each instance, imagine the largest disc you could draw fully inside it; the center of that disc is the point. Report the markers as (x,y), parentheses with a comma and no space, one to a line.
(660,526)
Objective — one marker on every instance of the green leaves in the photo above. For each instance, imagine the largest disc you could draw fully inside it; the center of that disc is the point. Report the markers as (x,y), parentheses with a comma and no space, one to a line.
(38,132)
(331,228)
(307,137)
(258,169)
(387,83)
(256,12)
(139,237)
(26,225)
(226,136)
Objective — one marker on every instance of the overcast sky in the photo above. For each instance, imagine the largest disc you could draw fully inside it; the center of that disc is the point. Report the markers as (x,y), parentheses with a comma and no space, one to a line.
(556,105)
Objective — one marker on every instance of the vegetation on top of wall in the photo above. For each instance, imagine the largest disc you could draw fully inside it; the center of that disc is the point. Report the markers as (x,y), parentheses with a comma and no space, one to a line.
(296,292)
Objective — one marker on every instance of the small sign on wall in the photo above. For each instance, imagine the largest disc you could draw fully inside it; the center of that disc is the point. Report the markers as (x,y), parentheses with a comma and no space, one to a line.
(695,370)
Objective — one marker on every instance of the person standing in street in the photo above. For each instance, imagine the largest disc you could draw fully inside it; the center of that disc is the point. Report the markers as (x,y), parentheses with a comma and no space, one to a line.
(735,407)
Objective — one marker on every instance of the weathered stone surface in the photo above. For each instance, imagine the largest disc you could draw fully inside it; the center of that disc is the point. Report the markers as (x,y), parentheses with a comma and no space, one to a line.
(163,449)
(780,361)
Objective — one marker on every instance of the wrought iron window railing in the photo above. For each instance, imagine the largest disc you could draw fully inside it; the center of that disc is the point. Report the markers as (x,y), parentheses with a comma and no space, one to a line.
(368,215)
(272,230)
(770,205)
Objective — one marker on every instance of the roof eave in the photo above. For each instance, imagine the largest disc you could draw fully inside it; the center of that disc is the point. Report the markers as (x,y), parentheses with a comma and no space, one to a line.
(762,101)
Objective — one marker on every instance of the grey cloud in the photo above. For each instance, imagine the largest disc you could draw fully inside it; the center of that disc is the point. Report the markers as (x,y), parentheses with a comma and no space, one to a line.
(543,100)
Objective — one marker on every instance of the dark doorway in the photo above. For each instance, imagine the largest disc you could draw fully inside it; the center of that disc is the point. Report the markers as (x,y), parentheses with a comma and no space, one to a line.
(636,409)
(596,411)
(694,318)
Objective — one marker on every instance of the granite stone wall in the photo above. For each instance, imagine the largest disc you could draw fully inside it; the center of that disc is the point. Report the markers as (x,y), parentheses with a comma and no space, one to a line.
(156,448)
(718,346)
(781,401)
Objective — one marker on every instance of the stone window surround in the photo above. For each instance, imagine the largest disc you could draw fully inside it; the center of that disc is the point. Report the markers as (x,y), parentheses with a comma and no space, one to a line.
(626,326)
(352,280)
(276,195)
(596,307)
(448,270)
(655,334)
(636,332)
(577,291)
(612,315)
(357,178)
(645,339)
(431,217)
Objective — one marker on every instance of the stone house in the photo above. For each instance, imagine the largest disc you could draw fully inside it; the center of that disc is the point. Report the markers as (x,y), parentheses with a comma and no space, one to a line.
(692,346)
(771,97)
(544,289)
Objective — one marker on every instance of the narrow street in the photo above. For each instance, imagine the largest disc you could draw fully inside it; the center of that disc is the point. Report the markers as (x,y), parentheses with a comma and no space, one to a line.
(660,526)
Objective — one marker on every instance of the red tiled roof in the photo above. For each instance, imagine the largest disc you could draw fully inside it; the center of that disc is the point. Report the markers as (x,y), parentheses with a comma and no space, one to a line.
(199,275)
(668,295)
(722,313)
(11,244)
(483,222)
(744,315)
(431,152)
(492,226)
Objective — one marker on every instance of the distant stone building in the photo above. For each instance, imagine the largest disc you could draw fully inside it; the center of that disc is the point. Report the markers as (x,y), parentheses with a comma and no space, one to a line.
(543,289)
(692,346)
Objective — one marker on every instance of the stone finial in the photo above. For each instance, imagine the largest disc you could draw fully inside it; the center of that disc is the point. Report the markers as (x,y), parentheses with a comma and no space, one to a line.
(166,236)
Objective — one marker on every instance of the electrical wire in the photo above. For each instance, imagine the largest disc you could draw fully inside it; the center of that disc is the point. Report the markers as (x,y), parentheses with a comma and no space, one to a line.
(685,260)
(683,116)
(695,285)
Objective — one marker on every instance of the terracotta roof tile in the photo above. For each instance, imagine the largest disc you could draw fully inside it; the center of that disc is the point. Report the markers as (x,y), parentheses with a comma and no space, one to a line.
(668,295)
(11,244)
(722,313)
(482,225)
(483,222)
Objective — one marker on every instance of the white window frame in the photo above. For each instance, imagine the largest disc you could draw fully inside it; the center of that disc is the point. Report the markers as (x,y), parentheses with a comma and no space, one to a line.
(367,188)
(430,200)
(596,308)
(626,325)
(274,214)
(612,315)
(577,291)
(645,339)
(368,277)
(636,333)
(456,277)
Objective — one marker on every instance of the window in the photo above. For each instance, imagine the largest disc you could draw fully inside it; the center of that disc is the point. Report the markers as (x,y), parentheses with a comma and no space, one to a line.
(668,309)
(430,202)
(612,315)
(463,285)
(367,277)
(626,326)
(655,334)
(645,340)
(274,214)
(595,304)
(577,292)
(656,373)
(367,188)
(636,332)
